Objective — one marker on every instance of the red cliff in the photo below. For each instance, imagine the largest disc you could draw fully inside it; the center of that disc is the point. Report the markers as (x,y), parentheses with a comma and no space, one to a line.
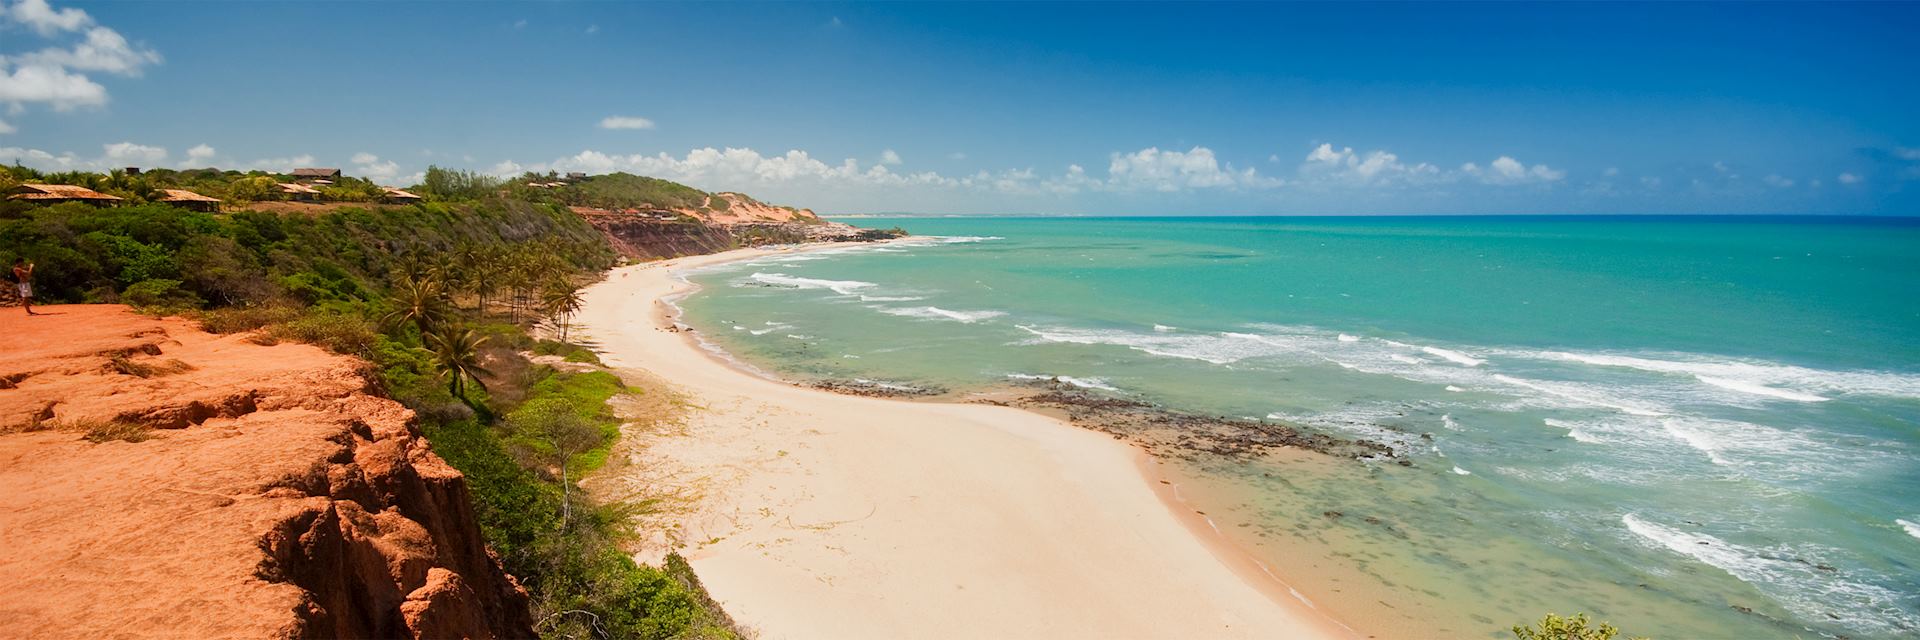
(236,490)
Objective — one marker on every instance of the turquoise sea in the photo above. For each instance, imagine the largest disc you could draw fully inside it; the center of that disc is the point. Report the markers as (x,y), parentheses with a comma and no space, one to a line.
(1693,427)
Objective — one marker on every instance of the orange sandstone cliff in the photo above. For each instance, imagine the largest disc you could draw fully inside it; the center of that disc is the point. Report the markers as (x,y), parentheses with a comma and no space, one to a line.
(275,497)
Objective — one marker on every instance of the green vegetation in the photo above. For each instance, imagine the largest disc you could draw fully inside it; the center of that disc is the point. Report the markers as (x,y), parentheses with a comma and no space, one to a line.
(438,296)
(1554,627)
(234,187)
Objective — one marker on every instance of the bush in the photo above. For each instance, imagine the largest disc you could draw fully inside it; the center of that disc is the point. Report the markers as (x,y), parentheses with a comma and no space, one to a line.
(337,332)
(160,294)
(238,319)
(1554,627)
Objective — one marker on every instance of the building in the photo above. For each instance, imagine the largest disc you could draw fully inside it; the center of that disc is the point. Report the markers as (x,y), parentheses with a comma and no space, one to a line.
(576,176)
(57,193)
(315,174)
(298,191)
(396,196)
(189,200)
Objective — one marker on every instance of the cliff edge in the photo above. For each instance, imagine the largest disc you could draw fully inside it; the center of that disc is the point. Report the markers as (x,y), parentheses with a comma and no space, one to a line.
(160,481)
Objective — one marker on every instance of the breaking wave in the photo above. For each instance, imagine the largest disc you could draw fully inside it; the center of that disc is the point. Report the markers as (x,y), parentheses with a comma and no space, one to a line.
(937,313)
(1802,584)
(842,287)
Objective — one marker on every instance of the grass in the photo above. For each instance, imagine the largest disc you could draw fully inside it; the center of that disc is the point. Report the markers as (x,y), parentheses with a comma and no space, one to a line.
(120,430)
(128,366)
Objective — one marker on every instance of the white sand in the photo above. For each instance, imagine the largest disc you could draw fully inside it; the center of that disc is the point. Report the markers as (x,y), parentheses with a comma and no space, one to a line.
(822,515)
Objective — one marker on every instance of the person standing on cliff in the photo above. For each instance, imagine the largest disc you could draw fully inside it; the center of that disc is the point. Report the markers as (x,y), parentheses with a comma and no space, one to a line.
(23,283)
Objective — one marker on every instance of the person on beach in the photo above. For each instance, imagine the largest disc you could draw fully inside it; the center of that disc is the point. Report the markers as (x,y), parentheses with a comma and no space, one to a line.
(23,283)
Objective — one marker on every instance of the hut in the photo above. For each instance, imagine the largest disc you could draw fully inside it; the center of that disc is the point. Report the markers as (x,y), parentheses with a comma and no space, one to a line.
(298,191)
(312,174)
(189,200)
(396,196)
(57,193)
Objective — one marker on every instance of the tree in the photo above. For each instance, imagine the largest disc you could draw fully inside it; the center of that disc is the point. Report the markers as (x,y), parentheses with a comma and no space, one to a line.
(1554,627)
(457,351)
(561,301)
(419,301)
(550,432)
(253,189)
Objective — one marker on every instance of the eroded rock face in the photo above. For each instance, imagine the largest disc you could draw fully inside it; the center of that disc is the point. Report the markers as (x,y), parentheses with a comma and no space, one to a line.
(275,498)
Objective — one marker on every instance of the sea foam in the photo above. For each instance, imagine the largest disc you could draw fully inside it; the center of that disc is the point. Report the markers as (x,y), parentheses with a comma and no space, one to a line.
(842,287)
(1788,576)
(937,313)
(1084,383)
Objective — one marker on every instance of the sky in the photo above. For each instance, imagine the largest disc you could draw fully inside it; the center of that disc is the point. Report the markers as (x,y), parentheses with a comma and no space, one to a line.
(1073,108)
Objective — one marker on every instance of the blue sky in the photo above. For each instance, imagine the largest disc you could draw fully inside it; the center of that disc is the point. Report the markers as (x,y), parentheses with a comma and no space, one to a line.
(1010,108)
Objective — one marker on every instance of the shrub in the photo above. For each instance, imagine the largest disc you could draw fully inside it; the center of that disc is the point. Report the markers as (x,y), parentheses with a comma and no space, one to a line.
(238,319)
(337,332)
(160,293)
(1554,627)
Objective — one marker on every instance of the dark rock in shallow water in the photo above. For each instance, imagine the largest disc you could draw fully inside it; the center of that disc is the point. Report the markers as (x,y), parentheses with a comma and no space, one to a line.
(1151,425)
(876,389)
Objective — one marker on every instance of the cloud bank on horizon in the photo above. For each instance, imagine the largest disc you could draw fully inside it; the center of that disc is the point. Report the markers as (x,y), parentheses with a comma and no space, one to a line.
(58,62)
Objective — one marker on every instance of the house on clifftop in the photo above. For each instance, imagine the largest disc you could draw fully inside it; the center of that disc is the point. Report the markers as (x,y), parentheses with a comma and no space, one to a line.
(189,200)
(312,174)
(58,193)
(396,196)
(298,191)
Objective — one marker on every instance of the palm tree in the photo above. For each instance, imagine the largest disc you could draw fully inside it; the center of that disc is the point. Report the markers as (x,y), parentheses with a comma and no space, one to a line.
(562,301)
(458,352)
(419,301)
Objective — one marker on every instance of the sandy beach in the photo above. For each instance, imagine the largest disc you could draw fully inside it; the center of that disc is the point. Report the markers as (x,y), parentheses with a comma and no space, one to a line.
(810,514)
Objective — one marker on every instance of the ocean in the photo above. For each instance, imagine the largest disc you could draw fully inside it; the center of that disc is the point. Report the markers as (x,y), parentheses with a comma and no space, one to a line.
(1692,427)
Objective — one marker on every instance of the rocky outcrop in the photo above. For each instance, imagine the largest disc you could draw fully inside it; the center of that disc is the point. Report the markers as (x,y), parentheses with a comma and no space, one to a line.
(646,235)
(159,481)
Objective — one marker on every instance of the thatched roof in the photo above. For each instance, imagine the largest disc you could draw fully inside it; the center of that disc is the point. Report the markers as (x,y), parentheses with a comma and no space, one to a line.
(288,187)
(400,195)
(183,195)
(33,191)
(312,172)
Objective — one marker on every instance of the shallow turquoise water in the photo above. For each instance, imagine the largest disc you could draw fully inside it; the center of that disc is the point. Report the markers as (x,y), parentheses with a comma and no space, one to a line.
(1654,419)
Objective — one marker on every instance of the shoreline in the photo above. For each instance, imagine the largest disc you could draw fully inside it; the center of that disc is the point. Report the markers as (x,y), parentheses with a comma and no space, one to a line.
(1240,591)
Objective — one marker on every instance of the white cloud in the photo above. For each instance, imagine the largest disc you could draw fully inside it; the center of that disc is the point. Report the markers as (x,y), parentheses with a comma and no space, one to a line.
(52,75)
(373,168)
(285,164)
(127,154)
(1152,168)
(888,157)
(103,50)
(199,157)
(957,155)
(1328,165)
(45,19)
(1774,180)
(51,85)
(6,128)
(625,122)
(1505,170)
(112,156)
(1848,178)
